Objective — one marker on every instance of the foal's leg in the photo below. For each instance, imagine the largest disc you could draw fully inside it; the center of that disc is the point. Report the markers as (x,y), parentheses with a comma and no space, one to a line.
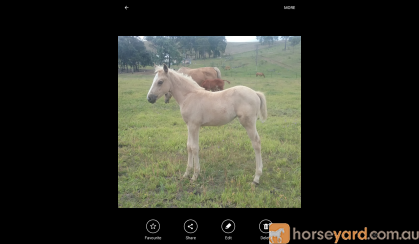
(249,123)
(194,144)
(190,159)
(193,149)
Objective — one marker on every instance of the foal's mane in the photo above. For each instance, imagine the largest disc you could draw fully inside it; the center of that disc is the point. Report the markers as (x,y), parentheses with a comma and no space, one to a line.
(180,76)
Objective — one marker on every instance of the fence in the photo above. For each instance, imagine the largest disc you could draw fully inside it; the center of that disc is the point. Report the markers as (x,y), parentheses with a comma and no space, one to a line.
(252,73)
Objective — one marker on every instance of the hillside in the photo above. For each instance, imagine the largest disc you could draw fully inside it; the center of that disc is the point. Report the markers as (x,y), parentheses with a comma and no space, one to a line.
(241,47)
(232,47)
(273,60)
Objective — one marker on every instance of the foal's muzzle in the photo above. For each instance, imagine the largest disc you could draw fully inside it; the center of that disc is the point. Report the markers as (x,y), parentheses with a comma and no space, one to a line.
(151,98)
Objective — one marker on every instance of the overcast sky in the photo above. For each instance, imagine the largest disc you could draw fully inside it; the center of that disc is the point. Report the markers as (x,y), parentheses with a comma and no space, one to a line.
(238,38)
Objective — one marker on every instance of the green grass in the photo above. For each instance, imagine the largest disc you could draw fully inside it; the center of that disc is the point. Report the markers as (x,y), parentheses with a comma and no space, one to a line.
(152,138)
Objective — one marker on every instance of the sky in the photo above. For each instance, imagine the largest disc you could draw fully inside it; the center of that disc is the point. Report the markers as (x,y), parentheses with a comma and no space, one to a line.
(238,38)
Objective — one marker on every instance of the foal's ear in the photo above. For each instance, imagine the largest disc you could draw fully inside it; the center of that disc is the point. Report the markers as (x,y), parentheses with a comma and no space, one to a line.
(165,68)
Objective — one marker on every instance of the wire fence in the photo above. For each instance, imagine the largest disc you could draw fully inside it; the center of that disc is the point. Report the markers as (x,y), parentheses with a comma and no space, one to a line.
(266,73)
(230,66)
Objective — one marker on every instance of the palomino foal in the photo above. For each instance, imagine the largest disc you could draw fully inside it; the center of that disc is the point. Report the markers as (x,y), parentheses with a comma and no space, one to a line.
(199,107)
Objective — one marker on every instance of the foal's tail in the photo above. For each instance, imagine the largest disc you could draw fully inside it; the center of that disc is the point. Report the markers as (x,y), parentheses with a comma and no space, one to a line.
(263,112)
(227,81)
(218,72)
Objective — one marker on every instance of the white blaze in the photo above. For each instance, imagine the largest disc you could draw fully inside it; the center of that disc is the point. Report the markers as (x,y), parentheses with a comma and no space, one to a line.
(152,84)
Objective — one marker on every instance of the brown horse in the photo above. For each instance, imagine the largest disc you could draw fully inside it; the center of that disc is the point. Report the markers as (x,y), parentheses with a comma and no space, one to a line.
(214,85)
(260,74)
(198,75)
(227,68)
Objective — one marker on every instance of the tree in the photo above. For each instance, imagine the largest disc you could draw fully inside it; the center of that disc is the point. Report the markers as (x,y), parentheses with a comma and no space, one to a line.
(217,45)
(172,47)
(202,46)
(266,39)
(167,48)
(285,38)
(186,44)
(131,51)
(294,41)
(260,39)
(221,45)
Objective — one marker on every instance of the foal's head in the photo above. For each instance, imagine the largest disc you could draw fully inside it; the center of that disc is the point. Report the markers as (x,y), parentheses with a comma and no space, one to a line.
(160,85)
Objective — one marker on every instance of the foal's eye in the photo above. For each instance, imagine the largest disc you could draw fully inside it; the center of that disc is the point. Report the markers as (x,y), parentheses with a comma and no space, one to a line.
(160,82)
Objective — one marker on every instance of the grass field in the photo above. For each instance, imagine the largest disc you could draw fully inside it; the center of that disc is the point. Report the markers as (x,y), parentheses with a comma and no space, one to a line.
(152,138)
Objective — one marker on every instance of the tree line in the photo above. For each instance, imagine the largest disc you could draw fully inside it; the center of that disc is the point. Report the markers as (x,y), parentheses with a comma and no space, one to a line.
(267,39)
(174,49)
(132,54)
(294,41)
(168,49)
(270,40)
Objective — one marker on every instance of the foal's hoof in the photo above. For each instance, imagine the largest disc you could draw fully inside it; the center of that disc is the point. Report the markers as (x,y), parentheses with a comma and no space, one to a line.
(185,175)
(255,183)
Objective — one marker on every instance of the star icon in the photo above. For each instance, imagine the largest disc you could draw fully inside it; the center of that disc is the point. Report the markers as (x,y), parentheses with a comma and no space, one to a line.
(153,226)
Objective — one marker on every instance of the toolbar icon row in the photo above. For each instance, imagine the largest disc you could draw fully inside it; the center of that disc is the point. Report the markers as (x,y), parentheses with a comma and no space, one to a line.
(191,226)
